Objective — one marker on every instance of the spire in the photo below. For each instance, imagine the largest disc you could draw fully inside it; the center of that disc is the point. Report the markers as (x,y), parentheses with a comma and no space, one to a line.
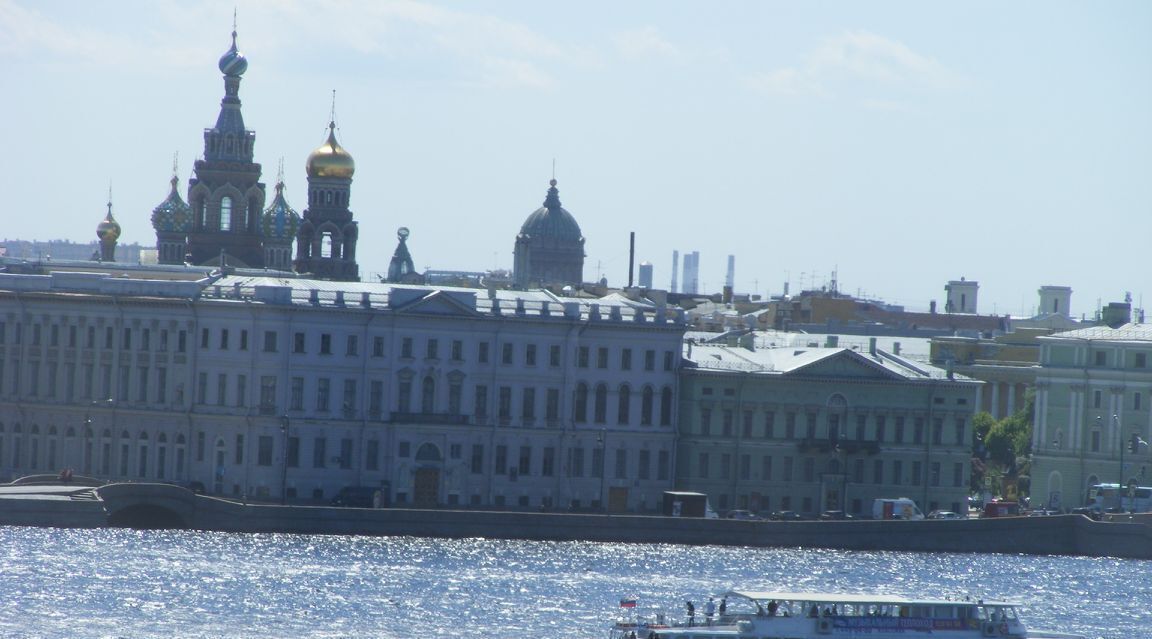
(552,202)
(232,64)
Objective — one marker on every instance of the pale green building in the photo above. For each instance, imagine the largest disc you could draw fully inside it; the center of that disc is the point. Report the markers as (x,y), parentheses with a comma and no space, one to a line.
(810,429)
(1092,400)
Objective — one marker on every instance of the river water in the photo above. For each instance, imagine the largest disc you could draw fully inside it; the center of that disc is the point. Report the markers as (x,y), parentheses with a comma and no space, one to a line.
(128,583)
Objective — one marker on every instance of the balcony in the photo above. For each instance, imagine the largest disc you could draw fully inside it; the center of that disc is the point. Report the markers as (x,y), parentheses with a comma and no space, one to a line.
(448,419)
(848,446)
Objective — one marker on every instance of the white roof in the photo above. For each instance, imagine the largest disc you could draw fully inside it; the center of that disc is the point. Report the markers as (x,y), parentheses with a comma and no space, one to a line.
(831,597)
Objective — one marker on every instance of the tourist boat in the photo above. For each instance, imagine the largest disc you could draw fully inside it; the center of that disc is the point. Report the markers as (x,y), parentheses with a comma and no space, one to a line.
(804,615)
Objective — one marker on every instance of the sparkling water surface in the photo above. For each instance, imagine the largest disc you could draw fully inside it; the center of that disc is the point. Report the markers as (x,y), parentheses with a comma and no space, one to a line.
(128,583)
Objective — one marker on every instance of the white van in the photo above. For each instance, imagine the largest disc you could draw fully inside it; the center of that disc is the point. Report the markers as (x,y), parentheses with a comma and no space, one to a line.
(898,508)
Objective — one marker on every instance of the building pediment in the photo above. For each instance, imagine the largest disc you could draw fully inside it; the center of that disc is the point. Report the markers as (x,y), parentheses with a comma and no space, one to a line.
(437,302)
(846,363)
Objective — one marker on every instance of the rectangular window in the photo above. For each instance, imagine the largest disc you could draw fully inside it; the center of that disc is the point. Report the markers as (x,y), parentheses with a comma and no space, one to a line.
(501,459)
(878,471)
(268,394)
(482,352)
(1097,399)
(918,430)
(477,459)
(577,465)
(530,355)
(1101,358)
(239,450)
(480,408)
(270,341)
(552,405)
(372,454)
(897,472)
(669,360)
(352,346)
(375,398)
(202,388)
(957,475)
(582,357)
(643,468)
(898,436)
(726,422)
(346,453)
(881,427)
(319,452)
(554,355)
(961,431)
(705,421)
(769,425)
(1136,401)
(747,434)
(621,463)
(264,450)
(1140,360)
(323,393)
(349,404)
(548,462)
(325,344)
(602,357)
(406,347)
(626,359)
(745,467)
(293,454)
(223,339)
(938,431)
(528,405)
(935,479)
(432,349)
(203,339)
(506,354)
(649,360)
(663,465)
(702,466)
(378,346)
(790,425)
(296,402)
(917,474)
(221,389)
(244,339)
(597,462)
(505,403)
(457,350)
(766,468)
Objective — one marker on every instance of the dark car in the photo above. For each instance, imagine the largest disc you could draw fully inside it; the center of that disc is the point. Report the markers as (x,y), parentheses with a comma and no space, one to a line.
(786,515)
(355,497)
(742,515)
(833,515)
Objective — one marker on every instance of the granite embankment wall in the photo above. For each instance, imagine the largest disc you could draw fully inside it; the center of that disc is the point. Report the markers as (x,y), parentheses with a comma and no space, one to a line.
(158,505)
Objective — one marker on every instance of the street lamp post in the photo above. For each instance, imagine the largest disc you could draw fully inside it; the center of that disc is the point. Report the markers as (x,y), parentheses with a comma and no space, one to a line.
(284,467)
(602,439)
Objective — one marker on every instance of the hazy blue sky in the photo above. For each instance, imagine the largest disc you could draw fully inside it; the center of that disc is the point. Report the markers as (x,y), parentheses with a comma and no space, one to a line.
(903,144)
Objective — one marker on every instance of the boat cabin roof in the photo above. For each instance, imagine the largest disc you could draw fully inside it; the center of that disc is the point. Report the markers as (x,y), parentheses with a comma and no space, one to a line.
(830,598)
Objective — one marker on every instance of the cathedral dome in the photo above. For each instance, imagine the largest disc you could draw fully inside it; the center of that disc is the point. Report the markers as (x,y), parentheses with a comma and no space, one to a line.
(172,215)
(280,221)
(331,160)
(233,62)
(109,229)
(552,221)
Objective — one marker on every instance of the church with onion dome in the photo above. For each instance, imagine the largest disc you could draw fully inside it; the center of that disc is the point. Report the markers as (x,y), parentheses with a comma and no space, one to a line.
(224,221)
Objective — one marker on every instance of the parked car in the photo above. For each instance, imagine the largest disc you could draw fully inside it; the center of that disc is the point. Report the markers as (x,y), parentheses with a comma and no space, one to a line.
(833,515)
(743,515)
(943,514)
(1087,511)
(786,515)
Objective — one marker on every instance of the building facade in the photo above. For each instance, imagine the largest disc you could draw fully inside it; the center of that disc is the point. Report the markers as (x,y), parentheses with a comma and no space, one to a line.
(815,429)
(291,389)
(1093,392)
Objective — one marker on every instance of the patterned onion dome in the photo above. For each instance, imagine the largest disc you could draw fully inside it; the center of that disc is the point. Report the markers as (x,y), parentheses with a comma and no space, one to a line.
(233,62)
(172,215)
(280,221)
(331,160)
(109,229)
(552,221)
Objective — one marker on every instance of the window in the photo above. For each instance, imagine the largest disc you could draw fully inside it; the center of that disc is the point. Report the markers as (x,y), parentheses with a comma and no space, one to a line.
(292,455)
(1097,399)
(244,339)
(935,478)
(663,465)
(647,397)
(241,390)
(406,347)
(428,395)
(225,213)
(580,405)
(264,450)
(937,431)
(524,467)
(221,389)
(624,405)
(621,463)
(432,349)
(1101,358)
(372,454)
(554,355)
(349,398)
(455,392)
(897,472)
(477,459)
(1136,401)
(600,408)
(878,471)
(961,436)
(203,339)
(325,343)
(582,357)
(766,468)
(457,350)
(269,341)
(352,346)
(482,352)
(726,421)
(296,401)
(552,405)
(506,354)
(649,360)
(747,433)
(376,398)
(323,393)
(626,359)
(643,468)
(223,339)
(666,406)
(528,405)
(504,405)
(602,357)
(378,346)
(1140,360)
(480,409)
(501,459)
(319,451)
(702,466)
(530,355)
(668,360)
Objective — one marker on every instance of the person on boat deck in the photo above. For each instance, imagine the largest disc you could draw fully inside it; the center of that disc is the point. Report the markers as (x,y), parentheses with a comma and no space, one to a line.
(723,606)
(772,608)
(691,613)
(710,610)
(813,611)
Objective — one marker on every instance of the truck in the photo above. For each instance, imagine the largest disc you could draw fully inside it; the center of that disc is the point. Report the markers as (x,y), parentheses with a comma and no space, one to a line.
(685,504)
(897,508)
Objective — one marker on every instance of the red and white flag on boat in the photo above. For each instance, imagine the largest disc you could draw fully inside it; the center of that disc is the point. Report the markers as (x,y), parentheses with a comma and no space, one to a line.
(628,602)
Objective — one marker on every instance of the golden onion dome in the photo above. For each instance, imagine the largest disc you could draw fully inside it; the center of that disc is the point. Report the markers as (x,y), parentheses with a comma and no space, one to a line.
(331,160)
(109,229)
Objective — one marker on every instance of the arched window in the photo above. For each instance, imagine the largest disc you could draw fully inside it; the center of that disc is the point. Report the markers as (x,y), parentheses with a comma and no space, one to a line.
(142,465)
(624,405)
(226,213)
(580,406)
(666,406)
(326,244)
(427,395)
(600,412)
(428,453)
(647,396)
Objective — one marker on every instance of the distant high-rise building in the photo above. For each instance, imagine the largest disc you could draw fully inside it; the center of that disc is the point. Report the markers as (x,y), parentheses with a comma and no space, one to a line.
(730,279)
(675,288)
(692,273)
(645,275)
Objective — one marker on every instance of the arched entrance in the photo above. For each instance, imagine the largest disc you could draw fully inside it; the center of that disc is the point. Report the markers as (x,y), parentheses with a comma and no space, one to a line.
(426,483)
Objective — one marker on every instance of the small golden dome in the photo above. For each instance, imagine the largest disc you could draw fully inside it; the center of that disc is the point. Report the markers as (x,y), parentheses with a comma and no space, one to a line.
(331,160)
(109,229)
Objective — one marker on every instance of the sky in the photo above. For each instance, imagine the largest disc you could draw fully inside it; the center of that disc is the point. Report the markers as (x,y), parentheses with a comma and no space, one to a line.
(889,146)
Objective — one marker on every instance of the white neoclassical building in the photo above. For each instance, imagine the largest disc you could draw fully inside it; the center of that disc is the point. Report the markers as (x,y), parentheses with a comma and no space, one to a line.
(1093,400)
(277,388)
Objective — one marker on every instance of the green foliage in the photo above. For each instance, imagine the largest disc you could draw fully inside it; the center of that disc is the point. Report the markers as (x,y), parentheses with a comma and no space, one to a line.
(1003,448)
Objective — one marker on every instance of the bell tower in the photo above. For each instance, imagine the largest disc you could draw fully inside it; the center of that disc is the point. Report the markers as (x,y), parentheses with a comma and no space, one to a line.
(326,243)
